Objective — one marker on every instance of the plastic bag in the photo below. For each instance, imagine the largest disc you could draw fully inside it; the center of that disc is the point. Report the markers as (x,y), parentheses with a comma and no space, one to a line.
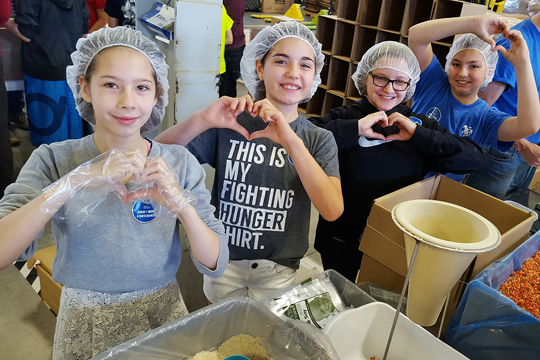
(317,299)
(313,301)
(534,7)
(206,329)
(487,324)
(79,193)
(515,7)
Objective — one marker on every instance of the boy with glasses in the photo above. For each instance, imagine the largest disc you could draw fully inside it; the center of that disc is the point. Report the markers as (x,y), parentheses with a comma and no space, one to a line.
(383,146)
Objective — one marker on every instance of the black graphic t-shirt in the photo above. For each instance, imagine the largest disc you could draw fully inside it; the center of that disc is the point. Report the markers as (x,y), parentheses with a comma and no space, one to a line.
(257,192)
(123,10)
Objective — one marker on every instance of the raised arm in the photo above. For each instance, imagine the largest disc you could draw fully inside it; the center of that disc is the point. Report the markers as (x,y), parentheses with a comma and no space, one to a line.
(422,35)
(221,113)
(527,121)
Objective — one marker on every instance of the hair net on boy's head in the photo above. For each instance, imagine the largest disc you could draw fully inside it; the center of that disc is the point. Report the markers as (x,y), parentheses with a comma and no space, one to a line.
(471,41)
(388,55)
(88,48)
(263,43)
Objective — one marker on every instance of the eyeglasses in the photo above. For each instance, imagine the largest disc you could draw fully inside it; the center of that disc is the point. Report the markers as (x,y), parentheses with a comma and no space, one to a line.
(397,85)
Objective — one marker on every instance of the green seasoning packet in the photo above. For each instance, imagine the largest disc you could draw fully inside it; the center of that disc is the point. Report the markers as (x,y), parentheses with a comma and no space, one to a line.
(317,310)
(314,301)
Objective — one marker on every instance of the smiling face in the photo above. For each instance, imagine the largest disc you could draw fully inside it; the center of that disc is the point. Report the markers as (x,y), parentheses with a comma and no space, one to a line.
(466,73)
(385,98)
(122,90)
(288,71)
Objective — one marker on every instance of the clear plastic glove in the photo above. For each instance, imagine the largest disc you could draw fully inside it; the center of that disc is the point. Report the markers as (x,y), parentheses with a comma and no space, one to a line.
(105,173)
(161,185)
(87,186)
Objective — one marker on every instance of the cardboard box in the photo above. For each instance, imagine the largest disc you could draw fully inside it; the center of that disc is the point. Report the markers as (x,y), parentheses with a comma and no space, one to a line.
(324,32)
(535,182)
(250,35)
(50,290)
(11,55)
(384,262)
(276,6)
(280,18)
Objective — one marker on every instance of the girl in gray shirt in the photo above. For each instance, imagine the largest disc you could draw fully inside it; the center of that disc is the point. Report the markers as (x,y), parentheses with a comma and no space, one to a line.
(118,263)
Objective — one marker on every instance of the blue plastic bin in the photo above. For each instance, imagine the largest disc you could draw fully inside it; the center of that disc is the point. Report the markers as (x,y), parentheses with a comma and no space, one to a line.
(486,323)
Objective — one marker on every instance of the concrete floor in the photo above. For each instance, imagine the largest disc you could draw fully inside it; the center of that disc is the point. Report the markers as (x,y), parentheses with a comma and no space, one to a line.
(27,325)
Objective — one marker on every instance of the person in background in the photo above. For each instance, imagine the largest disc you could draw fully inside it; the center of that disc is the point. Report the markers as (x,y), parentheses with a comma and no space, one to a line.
(98,17)
(226,37)
(121,13)
(6,154)
(17,116)
(509,171)
(53,28)
(234,51)
(450,95)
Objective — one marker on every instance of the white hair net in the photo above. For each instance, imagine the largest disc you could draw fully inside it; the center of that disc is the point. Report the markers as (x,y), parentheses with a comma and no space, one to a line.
(263,43)
(471,41)
(88,48)
(388,55)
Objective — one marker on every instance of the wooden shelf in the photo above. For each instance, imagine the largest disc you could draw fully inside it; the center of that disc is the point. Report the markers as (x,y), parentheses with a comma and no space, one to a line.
(343,39)
(348,10)
(369,12)
(325,32)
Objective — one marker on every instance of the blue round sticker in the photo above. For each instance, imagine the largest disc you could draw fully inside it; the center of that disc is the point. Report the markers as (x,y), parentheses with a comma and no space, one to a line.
(416,120)
(144,212)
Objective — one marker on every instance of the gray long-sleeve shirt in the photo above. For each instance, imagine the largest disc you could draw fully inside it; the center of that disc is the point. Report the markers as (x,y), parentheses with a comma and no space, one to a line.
(111,251)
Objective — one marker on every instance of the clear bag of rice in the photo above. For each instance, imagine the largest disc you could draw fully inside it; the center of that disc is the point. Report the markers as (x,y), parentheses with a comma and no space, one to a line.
(236,326)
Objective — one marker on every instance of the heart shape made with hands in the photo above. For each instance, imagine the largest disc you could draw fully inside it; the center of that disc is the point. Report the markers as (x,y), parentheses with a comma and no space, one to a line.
(123,188)
(250,123)
(386,131)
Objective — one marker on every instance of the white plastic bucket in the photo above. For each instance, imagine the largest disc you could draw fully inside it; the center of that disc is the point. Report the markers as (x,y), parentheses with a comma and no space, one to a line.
(450,237)
(362,333)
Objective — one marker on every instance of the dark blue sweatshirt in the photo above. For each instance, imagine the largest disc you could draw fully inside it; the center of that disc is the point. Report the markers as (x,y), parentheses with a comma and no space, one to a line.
(368,173)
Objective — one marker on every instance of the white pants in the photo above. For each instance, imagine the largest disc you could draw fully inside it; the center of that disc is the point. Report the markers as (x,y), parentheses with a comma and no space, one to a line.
(256,279)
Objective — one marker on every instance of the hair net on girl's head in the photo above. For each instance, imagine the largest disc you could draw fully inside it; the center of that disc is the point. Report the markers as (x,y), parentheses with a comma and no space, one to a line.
(263,43)
(471,41)
(88,48)
(388,55)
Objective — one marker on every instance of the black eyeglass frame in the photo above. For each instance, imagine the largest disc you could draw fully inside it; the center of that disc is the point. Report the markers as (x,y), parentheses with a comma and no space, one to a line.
(389,81)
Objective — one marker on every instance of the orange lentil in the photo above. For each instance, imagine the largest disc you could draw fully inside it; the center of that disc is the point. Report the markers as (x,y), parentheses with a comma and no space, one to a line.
(523,287)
